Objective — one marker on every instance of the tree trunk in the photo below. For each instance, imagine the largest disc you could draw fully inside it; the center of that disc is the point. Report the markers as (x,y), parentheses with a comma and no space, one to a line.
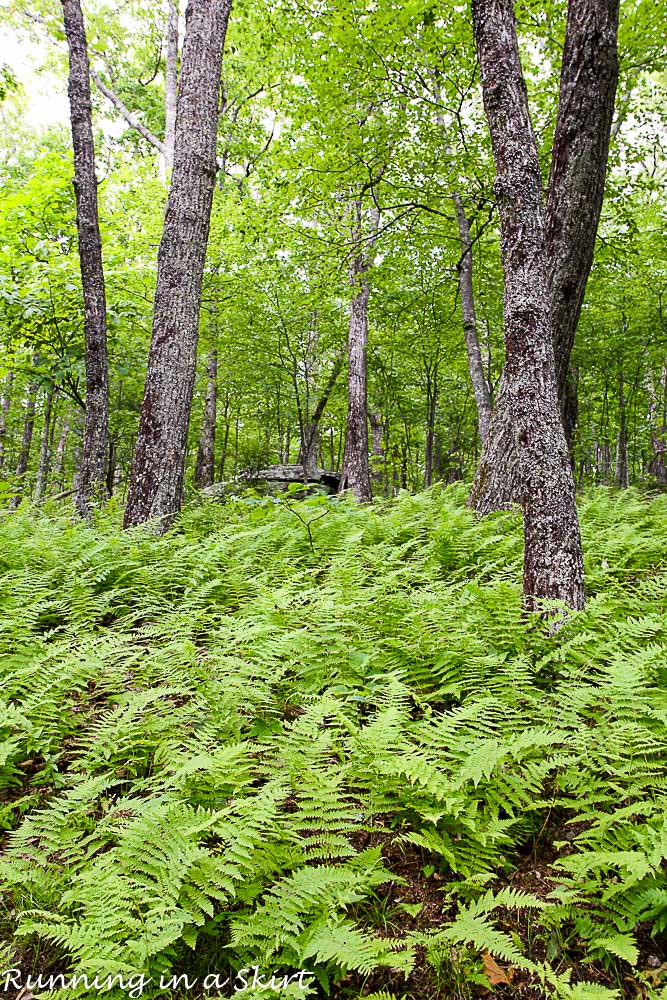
(92,474)
(171,87)
(377,448)
(480,385)
(26,440)
(578,168)
(355,474)
(431,412)
(156,480)
(44,451)
(622,467)
(309,434)
(205,466)
(657,413)
(59,458)
(5,402)
(553,561)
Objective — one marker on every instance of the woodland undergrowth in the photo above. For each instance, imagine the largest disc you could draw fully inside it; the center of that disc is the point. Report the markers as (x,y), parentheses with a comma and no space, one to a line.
(339,748)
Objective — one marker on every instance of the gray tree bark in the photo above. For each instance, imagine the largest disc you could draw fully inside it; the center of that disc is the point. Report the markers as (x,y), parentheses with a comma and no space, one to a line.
(26,440)
(171,86)
(92,474)
(309,433)
(553,561)
(480,386)
(59,457)
(589,77)
(156,479)
(5,403)
(44,452)
(205,465)
(355,474)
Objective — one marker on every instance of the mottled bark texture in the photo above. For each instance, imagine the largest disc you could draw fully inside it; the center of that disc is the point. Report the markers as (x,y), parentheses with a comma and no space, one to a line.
(205,464)
(589,77)
(59,457)
(553,562)
(355,474)
(156,480)
(171,85)
(310,430)
(26,440)
(92,474)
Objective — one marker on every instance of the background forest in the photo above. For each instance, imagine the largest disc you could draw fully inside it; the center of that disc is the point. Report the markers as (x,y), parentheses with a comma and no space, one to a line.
(291,730)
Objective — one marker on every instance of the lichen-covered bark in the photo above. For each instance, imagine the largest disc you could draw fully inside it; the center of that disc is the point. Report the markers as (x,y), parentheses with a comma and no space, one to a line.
(92,473)
(589,77)
(171,85)
(355,474)
(205,464)
(156,480)
(553,562)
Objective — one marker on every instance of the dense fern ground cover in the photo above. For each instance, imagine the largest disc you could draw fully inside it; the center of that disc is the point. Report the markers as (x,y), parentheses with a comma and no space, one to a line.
(230,747)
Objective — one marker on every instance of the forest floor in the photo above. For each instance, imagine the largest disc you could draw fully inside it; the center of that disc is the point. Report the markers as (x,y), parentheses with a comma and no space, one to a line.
(339,748)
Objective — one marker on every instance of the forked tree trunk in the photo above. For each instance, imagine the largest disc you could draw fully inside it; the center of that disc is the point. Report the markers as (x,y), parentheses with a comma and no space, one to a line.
(309,432)
(26,440)
(156,480)
(355,474)
(205,465)
(5,402)
(589,76)
(44,451)
(92,474)
(553,561)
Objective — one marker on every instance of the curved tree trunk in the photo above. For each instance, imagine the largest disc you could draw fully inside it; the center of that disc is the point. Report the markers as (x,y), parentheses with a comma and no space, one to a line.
(553,561)
(205,465)
(589,77)
(156,480)
(92,474)
(308,446)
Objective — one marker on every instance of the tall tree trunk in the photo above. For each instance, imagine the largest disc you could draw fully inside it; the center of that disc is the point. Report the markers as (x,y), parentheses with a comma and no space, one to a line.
(156,480)
(59,458)
(377,447)
(309,433)
(478,378)
(553,561)
(205,465)
(657,413)
(92,474)
(431,411)
(26,440)
(5,402)
(44,452)
(480,386)
(622,467)
(588,82)
(171,87)
(355,475)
